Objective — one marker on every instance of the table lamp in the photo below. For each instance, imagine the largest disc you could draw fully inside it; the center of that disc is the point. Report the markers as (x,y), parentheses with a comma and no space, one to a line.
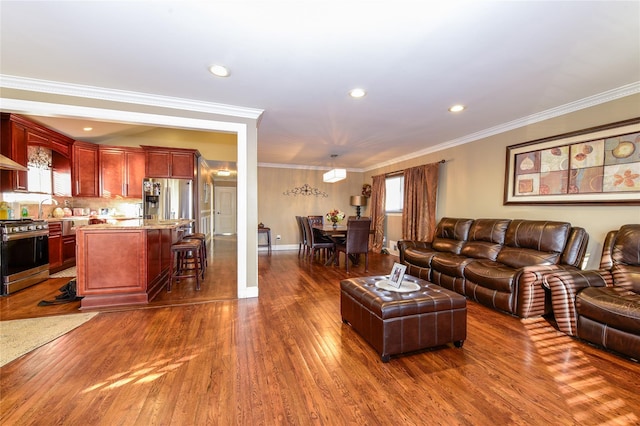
(358,201)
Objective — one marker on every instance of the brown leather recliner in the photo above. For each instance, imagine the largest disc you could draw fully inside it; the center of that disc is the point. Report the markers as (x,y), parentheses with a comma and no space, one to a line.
(603,306)
(497,262)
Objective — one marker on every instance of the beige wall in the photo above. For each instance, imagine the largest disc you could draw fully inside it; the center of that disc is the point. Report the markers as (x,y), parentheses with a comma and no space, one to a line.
(278,211)
(211,145)
(472,179)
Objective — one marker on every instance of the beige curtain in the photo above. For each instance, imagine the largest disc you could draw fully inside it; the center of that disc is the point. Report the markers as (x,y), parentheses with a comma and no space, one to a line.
(419,210)
(378,212)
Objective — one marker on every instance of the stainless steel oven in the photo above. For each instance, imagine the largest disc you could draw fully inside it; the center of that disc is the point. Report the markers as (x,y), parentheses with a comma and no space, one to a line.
(24,253)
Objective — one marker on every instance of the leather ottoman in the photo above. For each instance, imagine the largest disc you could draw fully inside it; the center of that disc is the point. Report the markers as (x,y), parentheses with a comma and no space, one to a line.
(400,322)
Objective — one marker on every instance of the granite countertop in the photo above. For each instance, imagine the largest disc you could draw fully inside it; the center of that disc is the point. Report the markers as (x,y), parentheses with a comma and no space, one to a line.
(110,218)
(140,224)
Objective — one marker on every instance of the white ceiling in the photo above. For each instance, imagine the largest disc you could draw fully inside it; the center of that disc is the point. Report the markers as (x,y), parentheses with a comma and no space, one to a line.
(505,60)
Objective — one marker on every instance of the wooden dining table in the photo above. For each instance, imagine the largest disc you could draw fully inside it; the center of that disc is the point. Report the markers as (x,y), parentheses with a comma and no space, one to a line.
(329,230)
(336,234)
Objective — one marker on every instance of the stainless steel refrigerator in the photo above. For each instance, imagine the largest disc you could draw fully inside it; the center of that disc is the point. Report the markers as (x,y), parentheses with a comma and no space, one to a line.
(166,199)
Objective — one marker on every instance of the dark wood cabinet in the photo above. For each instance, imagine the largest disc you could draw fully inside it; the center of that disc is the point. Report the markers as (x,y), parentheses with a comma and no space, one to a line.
(68,251)
(158,164)
(17,134)
(85,170)
(182,165)
(123,266)
(111,172)
(121,172)
(55,246)
(62,249)
(170,162)
(61,175)
(134,172)
(14,146)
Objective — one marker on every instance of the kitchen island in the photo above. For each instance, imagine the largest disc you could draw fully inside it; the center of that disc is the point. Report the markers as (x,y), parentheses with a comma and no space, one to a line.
(125,263)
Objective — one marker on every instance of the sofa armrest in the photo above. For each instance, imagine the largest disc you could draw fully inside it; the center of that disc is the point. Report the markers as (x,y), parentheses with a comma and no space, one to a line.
(406,244)
(531,298)
(565,286)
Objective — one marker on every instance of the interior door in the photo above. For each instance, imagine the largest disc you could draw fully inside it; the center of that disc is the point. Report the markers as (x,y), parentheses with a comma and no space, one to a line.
(225,207)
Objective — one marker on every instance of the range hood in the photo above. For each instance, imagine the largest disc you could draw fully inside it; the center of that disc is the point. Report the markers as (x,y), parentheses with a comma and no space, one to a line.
(8,164)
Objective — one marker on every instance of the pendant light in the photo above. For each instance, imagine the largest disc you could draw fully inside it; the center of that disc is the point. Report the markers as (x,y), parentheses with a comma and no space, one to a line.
(334,175)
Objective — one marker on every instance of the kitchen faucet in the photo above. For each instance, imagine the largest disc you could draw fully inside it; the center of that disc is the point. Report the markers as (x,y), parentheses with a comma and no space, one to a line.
(42,202)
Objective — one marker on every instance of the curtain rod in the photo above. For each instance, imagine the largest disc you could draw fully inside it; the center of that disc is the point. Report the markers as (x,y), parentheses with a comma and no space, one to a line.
(397,172)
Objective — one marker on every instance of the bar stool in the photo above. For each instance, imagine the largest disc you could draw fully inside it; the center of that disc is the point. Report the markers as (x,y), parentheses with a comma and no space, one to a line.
(203,245)
(184,266)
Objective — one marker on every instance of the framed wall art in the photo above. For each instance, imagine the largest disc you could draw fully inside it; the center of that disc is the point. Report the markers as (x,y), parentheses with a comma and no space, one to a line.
(593,166)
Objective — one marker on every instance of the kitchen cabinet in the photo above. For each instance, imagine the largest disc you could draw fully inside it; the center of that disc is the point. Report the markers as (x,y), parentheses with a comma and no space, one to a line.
(68,251)
(14,146)
(124,264)
(55,246)
(17,134)
(61,178)
(121,172)
(85,170)
(170,162)
(62,248)
(111,163)
(134,172)
(38,135)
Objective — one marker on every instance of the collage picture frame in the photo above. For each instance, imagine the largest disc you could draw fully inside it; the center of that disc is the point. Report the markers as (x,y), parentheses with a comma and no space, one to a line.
(593,166)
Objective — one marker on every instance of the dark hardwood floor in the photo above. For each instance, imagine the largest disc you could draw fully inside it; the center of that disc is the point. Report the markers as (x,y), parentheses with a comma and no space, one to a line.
(219,284)
(287,358)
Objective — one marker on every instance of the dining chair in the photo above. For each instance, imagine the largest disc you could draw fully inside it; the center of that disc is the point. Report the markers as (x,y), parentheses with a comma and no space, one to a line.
(319,236)
(356,243)
(314,242)
(316,220)
(302,244)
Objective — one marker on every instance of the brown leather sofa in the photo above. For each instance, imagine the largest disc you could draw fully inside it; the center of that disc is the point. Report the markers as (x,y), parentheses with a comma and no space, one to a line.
(497,262)
(603,306)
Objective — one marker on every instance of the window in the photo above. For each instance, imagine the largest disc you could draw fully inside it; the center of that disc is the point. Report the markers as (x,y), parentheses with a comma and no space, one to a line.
(394,194)
(39,175)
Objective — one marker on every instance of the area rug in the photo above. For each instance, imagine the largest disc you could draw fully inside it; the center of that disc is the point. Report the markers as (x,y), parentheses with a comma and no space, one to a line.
(18,337)
(66,273)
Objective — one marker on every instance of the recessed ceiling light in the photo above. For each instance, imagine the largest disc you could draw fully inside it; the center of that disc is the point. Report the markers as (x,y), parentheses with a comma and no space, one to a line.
(456,108)
(87,129)
(357,93)
(219,70)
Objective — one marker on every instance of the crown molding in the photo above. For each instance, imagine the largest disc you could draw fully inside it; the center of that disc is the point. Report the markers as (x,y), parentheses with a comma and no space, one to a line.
(610,95)
(92,92)
(303,167)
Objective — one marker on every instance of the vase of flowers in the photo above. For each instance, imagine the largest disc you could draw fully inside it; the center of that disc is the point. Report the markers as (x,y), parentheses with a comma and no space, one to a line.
(335,216)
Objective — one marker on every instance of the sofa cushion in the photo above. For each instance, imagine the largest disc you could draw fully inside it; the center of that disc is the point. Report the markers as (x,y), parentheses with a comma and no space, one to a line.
(627,276)
(616,307)
(489,230)
(521,257)
(534,242)
(450,264)
(491,275)
(451,234)
(576,247)
(626,249)
(419,256)
(481,250)
(486,237)
(541,235)
(625,255)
